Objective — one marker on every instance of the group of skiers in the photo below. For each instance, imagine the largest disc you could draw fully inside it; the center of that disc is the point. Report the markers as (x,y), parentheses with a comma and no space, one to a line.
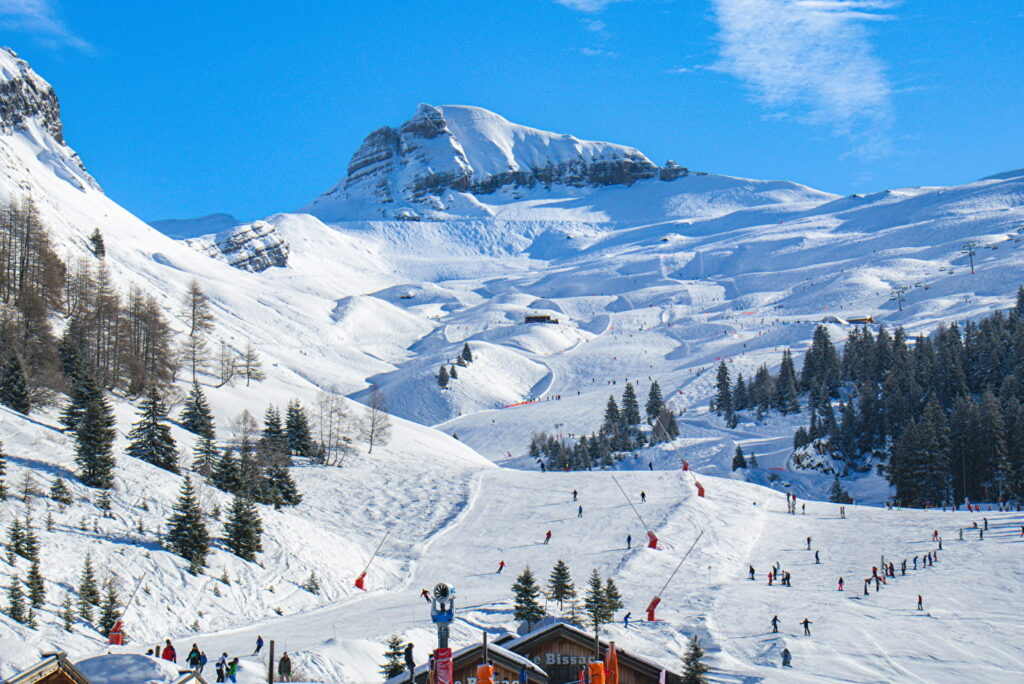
(226,669)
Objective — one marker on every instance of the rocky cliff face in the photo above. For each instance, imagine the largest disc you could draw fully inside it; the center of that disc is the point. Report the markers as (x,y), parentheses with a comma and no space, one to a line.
(29,106)
(254,247)
(471,150)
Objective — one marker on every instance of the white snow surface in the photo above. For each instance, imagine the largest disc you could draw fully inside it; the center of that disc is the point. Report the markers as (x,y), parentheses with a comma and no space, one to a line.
(658,280)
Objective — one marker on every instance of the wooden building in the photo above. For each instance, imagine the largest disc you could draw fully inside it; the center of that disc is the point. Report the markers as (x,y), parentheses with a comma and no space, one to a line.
(54,668)
(540,318)
(554,654)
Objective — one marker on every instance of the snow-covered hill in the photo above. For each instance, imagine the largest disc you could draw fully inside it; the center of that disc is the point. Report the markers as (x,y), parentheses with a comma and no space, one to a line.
(448,231)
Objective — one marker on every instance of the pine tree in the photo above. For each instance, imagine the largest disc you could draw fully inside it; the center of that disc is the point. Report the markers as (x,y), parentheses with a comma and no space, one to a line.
(83,388)
(36,585)
(104,503)
(16,537)
(226,476)
(919,465)
(312,583)
(88,592)
(14,388)
(251,367)
(187,535)
(466,354)
(196,416)
(60,493)
(752,460)
(821,364)
(99,248)
(594,602)
(94,437)
(453,373)
(150,439)
(243,529)
(694,671)
(612,419)
(67,613)
(612,598)
(785,396)
(737,460)
(740,400)
(297,430)
(198,318)
(206,456)
(110,611)
(723,396)
(394,657)
(280,488)
(665,427)
(525,592)
(836,494)
(630,406)
(272,445)
(16,601)
(654,402)
(442,377)
(560,584)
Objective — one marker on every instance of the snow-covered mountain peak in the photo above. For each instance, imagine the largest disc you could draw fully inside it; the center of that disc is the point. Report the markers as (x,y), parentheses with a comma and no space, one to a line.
(400,172)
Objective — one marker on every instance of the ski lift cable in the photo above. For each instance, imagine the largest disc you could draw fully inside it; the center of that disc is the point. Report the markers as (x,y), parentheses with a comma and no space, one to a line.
(615,479)
(376,551)
(685,555)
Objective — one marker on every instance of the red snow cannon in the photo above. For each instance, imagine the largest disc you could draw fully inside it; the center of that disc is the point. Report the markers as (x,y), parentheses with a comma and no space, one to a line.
(361,581)
(652,540)
(651,607)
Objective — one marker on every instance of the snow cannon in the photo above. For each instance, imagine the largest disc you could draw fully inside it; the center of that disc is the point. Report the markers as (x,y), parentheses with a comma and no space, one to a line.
(596,669)
(700,488)
(361,581)
(652,540)
(484,674)
(116,636)
(686,465)
(651,607)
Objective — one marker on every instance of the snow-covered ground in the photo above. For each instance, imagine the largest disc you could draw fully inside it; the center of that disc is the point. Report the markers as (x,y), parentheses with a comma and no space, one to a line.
(651,280)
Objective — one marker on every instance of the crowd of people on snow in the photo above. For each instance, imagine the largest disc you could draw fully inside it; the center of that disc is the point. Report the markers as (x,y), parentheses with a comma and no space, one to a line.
(226,669)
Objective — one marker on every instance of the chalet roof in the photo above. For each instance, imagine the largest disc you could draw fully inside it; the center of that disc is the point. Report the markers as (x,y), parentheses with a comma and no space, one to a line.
(575,633)
(495,653)
(51,663)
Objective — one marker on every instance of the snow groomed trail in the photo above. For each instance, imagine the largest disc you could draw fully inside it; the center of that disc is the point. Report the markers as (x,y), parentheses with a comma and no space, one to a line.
(876,638)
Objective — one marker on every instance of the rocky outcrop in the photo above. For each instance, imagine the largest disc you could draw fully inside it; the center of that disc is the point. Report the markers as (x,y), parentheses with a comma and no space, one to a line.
(24,95)
(471,150)
(254,247)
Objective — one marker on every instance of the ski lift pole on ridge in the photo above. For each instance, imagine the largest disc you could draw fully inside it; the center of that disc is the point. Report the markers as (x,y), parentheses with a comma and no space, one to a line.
(653,605)
(361,580)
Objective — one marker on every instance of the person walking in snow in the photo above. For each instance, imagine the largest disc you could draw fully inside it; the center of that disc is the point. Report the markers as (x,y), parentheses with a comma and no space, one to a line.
(985,520)
(817,558)
(410,663)
(221,666)
(808,543)
(935,535)
(169,653)
(579,512)
(193,658)
(803,509)
(915,562)
(751,573)
(625,619)
(771,577)
(547,537)
(629,541)
(643,496)
(232,671)
(284,668)
(807,626)
(202,661)
(842,512)
(981,534)
(786,578)
(574,494)
(787,658)
(920,602)
(840,584)
(961,531)
(775,625)
(259,645)
(501,566)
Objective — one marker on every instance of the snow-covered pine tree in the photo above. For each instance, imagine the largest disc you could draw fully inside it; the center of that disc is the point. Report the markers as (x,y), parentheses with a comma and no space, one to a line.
(36,585)
(560,585)
(654,402)
(67,613)
(243,529)
(104,503)
(785,397)
(196,416)
(751,460)
(836,494)
(737,459)
(694,670)
(525,592)
(99,248)
(394,657)
(83,387)
(187,535)
(453,372)
(94,441)
(280,488)
(150,438)
(466,354)
(297,431)
(442,377)
(630,406)
(311,583)
(88,591)
(14,388)
(272,444)
(612,418)
(60,493)
(226,476)
(110,610)
(206,455)
(595,604)
(29,542)
(16,601)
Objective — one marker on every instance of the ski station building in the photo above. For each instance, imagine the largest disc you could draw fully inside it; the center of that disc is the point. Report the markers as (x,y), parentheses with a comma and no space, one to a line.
(553,654)
(55,668)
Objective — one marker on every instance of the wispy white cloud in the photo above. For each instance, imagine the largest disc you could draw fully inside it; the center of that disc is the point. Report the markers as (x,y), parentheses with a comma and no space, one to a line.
(595,25)
(587,5)
(39,17)
(813,58)
(679,70)
(597,52)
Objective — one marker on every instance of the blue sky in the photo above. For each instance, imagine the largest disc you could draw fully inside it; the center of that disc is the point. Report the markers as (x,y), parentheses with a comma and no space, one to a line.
(186,108)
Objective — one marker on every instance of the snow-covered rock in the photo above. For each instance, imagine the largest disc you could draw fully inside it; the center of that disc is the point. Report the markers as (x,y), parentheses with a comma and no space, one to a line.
(254,247)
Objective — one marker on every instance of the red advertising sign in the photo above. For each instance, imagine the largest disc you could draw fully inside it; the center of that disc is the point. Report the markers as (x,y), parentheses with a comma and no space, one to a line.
(443,666)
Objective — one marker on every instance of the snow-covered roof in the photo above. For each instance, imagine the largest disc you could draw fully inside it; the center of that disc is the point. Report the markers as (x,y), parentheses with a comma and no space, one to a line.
(492,652)
(582,635)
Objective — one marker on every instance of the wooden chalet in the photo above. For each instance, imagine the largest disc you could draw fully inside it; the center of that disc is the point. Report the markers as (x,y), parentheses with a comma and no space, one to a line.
(55,668)
(553,654)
